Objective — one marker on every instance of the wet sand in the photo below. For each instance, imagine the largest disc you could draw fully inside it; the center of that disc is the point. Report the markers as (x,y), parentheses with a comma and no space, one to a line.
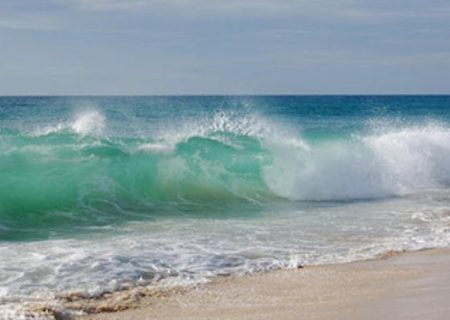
(414,285)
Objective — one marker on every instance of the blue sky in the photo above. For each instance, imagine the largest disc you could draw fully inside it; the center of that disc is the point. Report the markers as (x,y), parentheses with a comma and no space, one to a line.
(224,47)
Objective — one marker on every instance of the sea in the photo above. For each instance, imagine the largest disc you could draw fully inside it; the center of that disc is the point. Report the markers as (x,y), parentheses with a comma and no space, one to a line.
(158,191)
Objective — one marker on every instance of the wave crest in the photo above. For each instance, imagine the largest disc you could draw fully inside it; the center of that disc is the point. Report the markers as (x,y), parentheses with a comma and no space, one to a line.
(393,163)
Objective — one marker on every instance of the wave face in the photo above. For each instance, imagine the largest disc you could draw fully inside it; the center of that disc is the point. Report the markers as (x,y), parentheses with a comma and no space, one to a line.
(81,164)
(63,178)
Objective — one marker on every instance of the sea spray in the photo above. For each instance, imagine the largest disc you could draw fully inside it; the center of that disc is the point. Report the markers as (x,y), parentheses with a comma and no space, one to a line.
(89,121)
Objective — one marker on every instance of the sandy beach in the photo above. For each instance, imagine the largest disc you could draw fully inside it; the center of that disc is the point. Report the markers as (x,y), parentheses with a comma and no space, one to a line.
(413,285)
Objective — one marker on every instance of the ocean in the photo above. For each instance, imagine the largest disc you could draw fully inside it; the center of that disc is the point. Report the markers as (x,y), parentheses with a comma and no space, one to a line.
(102,193)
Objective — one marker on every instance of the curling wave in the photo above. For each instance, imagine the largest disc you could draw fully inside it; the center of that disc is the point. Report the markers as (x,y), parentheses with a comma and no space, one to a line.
(74,174)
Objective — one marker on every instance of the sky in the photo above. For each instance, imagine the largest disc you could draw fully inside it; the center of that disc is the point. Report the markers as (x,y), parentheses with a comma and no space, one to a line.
(107,47)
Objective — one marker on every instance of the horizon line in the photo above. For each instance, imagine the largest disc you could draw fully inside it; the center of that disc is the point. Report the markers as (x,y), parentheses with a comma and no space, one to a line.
(220,94)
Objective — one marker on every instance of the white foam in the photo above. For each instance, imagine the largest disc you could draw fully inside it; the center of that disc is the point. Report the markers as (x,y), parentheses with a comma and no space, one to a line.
(413,158)
(155,148)
(88,122)
(396,162)
(185,251)
(48,129)
(238,123)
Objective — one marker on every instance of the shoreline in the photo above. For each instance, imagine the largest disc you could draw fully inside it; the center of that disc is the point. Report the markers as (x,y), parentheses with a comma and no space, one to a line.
(399,285)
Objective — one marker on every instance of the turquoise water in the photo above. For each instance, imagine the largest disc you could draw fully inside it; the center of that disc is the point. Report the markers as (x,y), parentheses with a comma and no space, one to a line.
(99,191)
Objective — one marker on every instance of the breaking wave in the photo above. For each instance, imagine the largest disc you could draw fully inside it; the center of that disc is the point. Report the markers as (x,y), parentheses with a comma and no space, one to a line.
(74,173)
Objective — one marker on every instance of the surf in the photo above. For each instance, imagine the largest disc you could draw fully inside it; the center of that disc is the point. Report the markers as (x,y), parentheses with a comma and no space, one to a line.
(102,193)
(74,174)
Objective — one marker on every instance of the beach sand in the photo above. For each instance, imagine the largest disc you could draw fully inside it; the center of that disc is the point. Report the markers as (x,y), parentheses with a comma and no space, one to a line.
(413,285)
